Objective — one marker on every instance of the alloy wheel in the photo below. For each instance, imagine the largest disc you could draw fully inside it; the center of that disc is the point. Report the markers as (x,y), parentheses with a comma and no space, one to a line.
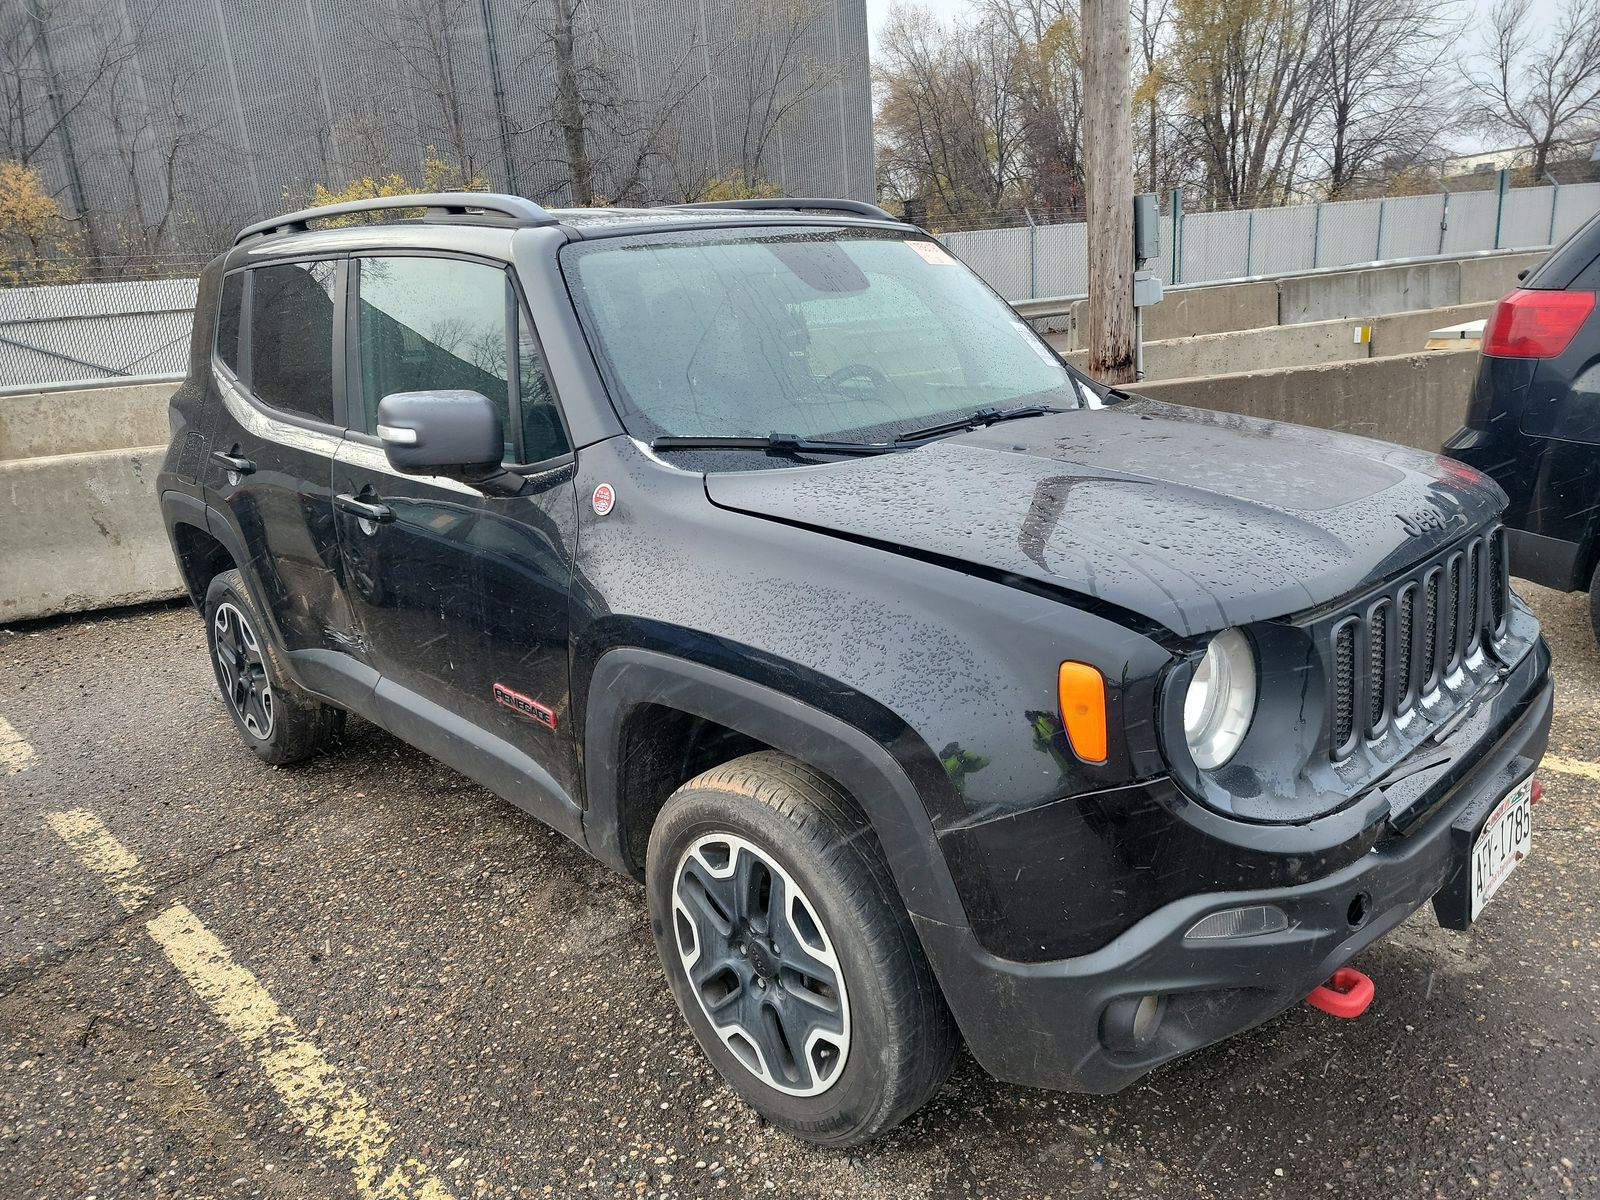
(761,965)
(243,669)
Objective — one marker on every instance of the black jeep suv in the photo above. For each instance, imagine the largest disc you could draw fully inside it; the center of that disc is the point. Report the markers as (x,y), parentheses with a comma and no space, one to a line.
(934,691)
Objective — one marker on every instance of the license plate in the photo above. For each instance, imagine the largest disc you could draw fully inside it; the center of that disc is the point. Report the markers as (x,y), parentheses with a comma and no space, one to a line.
(1506,839)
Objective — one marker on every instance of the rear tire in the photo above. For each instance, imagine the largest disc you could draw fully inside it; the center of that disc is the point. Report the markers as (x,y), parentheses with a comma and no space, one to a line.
(773,908)
(280,723)
(1594,603)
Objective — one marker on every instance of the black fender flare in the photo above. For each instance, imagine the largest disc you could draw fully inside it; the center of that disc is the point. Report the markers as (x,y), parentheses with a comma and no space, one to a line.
(626,677)
(181,508)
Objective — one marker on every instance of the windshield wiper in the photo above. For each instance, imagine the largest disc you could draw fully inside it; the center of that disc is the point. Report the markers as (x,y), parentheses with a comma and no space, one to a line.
(973,420)
(773,443)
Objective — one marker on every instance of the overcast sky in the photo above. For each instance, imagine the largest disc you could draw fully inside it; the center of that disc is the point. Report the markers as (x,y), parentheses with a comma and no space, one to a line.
(1543,11)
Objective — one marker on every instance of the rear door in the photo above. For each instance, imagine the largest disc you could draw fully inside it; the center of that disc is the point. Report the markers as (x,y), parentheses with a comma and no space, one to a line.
(461,597)
(270,464)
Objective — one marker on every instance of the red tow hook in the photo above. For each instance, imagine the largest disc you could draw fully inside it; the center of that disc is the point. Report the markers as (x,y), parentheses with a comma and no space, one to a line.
(1346,995)
(1536,792)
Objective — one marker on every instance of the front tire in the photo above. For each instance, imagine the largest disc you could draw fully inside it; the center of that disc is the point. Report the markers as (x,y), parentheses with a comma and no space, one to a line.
(790,954)
(277,721)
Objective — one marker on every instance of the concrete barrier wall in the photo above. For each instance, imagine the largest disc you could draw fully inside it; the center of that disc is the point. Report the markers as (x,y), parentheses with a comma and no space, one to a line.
(82,531)
(1187,312)
(72,422)
(1359,293)
(1407,333)
(1368,293)
(1487,279)
(1278,346)
(1414,399)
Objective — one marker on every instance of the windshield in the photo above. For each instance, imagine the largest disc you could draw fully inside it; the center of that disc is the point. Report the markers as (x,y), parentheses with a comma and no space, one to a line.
(817,333)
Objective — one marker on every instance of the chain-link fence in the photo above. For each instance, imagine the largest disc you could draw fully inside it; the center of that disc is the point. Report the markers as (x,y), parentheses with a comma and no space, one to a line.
(134,325)
(138,324)
(1039,259)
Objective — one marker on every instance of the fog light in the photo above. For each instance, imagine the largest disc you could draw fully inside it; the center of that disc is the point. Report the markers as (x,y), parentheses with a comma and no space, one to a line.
(1240,922)
(1130,1024)
(1146,1017)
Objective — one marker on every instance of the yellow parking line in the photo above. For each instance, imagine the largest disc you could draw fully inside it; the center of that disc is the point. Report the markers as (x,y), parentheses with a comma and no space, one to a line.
(1571,766)
(108,858)
(15,753)
(329,1110)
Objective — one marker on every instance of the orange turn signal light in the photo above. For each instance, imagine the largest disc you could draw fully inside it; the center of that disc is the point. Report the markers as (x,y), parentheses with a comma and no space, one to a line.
(1082,692)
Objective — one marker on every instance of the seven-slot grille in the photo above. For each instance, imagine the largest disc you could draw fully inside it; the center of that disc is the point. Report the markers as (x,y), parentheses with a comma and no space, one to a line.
(1400,644)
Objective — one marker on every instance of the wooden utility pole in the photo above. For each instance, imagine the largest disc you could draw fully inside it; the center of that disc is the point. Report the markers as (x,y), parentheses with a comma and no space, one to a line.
(1108,174)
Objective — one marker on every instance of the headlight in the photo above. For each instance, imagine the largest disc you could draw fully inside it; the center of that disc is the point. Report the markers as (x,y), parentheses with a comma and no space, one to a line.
(1221,700)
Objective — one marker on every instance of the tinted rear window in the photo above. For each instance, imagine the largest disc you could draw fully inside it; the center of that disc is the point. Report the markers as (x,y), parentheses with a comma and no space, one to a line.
(1571,264)
(228,319)
(291,338)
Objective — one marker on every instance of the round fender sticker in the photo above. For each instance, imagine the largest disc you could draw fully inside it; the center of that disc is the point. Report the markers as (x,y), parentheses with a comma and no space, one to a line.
(604,499)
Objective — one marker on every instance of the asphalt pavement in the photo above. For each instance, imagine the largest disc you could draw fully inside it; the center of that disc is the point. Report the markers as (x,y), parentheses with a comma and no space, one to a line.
(366,977)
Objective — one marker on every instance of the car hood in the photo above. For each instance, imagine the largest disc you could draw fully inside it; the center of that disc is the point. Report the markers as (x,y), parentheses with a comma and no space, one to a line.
(1190,518)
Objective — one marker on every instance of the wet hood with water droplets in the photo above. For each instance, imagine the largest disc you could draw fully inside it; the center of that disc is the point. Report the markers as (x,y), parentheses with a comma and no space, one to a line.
(1193,519)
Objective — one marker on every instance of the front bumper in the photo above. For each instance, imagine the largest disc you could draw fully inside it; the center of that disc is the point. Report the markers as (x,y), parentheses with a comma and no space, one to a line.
(1065,1024)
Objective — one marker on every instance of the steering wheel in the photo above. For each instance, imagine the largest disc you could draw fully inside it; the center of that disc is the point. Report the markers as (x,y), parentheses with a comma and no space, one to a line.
(861,371)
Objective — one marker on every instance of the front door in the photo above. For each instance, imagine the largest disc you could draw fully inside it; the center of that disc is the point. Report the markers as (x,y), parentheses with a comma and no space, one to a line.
(461,597)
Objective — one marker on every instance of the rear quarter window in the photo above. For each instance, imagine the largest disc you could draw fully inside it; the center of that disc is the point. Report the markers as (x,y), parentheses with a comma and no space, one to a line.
(229,312)
(1573,264)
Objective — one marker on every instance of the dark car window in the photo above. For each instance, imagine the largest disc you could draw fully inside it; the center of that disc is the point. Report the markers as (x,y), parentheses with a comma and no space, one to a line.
(431,323)
(441,323)
(543,435)
(228,318)
(291,337)
(1571,264)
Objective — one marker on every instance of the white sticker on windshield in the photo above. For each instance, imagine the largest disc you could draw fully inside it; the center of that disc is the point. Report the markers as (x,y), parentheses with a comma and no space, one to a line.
(932,252)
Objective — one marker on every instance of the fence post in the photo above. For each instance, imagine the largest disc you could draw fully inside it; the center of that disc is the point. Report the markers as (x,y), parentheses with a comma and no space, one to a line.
(1444,221)
(1555,194)
(1033,256)
(1377,250)
(1249,239)
(1316,236)
(1177,220)
(1183,227)
(1499,202)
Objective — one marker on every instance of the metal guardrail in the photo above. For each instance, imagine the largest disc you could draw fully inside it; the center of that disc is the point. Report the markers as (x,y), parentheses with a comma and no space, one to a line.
(81,385)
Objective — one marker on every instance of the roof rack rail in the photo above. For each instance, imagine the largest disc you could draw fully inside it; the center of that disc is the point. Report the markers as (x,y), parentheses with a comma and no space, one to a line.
(859,208)
(523,212)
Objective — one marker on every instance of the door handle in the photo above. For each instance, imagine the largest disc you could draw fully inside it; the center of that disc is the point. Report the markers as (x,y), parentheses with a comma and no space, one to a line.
(378,514)
(233,462)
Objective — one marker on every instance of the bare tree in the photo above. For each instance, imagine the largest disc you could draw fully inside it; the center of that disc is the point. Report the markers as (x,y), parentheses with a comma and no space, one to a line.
(1541,86)
(948,127)
(55,56)
(1382,85)
(167,151)
(1250,72)
(1156,154)
(612,131)
(425,43)
(1048,86)
(769,74)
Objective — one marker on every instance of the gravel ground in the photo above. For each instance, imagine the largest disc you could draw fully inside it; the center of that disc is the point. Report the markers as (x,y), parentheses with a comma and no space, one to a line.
(493,995)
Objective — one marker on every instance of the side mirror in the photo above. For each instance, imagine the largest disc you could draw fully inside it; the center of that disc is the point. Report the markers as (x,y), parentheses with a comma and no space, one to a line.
(453,433)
